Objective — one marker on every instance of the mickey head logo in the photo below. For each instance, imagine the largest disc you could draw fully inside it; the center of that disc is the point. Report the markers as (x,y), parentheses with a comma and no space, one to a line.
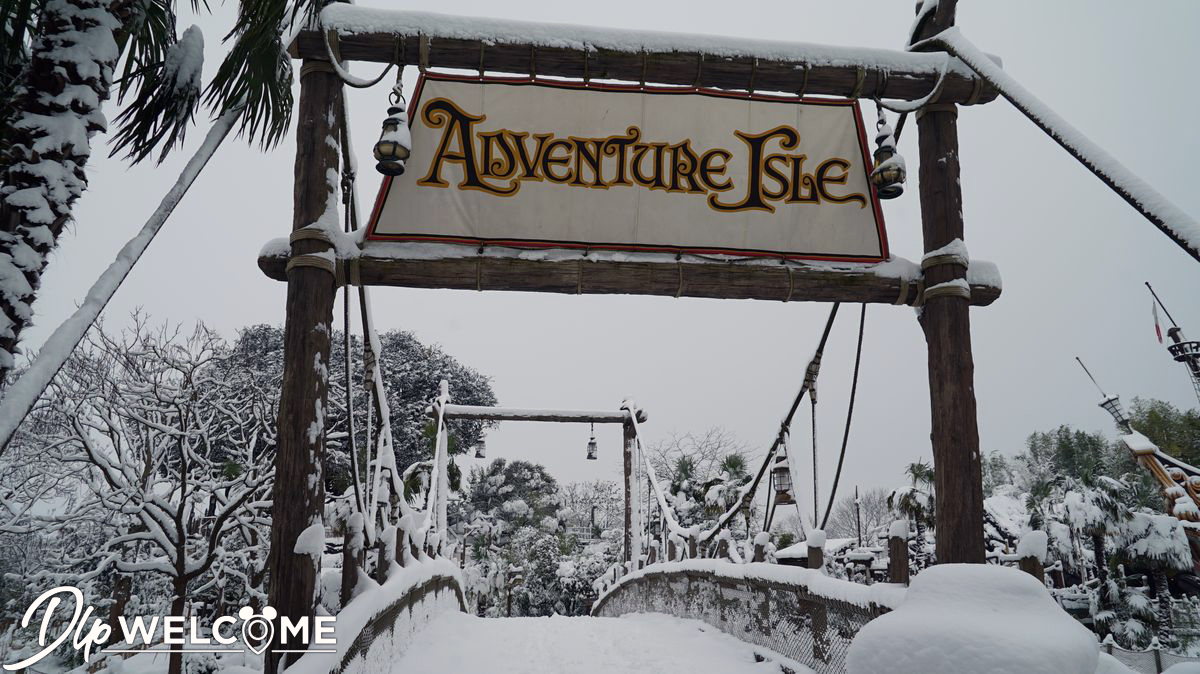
(258,629)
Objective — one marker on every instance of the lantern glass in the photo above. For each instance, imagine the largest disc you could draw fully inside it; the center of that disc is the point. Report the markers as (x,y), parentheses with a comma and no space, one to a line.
(591,446)
(783,485)
(389,151)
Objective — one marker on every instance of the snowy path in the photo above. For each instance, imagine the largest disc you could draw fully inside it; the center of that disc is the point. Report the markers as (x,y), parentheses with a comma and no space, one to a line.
(457,642)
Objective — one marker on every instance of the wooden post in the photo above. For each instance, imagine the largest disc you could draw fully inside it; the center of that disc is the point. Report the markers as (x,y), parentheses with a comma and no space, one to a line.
(898,560)
(1033,566)
(760,553)
(627,456)
(352,560)
(381,561)
(692,546)
(298,496)
(816,557)
(399,546)
(670,550)
(947,326)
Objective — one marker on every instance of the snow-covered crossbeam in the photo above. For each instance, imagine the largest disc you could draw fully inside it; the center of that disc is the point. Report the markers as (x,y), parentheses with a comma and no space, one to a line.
(1182,228)
(561,50)
(598,272)
(513,414)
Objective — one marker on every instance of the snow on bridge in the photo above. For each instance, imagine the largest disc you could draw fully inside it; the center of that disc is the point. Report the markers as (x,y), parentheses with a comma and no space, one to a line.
(457,642)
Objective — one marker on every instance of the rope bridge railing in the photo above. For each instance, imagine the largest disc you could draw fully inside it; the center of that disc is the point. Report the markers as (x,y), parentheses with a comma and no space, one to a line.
(798,613)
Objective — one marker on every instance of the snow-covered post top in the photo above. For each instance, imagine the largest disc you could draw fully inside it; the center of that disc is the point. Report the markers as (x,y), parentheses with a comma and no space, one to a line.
(898,552)
(974,618)
(1031,554)
(816,549)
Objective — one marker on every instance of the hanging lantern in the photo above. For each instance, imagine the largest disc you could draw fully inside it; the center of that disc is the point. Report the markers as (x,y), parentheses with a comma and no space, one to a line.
(395,141)
(481,449)
(781,475)
(591,446)
(888,174)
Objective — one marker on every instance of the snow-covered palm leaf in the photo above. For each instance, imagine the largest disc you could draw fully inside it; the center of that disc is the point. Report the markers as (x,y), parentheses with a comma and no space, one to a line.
(167,76)
(257,70)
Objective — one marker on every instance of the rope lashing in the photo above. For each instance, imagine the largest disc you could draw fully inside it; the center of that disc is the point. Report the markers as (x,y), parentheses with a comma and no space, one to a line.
(860,75)
(313,262)
(948,289)
(946,258)
(315,66)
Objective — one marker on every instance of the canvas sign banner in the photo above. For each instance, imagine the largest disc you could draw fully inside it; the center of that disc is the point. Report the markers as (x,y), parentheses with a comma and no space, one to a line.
(564,165)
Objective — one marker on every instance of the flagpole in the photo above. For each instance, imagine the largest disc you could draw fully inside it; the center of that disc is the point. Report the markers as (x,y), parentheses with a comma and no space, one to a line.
(1164,307)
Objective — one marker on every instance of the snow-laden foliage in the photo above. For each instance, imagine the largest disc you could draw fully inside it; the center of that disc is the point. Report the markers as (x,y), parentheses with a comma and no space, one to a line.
(159,460)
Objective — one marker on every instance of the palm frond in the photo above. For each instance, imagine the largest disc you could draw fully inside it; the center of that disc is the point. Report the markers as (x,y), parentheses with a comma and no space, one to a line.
(257,71)
(166,101)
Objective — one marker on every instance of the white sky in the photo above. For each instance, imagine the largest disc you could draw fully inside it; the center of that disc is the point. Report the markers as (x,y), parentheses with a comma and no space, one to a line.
(1072,254)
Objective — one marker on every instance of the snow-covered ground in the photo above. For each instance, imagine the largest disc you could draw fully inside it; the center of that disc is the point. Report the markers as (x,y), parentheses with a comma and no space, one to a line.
(655,643)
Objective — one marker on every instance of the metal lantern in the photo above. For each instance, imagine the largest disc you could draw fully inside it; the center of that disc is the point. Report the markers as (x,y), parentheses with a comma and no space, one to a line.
(888,173)
(591,446)
(481,449)
(395,142)
(781,475)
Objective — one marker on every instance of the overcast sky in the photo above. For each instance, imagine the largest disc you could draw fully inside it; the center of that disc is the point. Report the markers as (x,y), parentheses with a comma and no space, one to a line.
(1072,254)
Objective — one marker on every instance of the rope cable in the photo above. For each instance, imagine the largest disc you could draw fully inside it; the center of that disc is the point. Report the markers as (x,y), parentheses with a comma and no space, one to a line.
(783,429)
(862,321)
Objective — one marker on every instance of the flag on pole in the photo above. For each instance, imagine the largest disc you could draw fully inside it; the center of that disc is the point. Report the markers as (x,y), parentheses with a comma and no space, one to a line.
(1157,327)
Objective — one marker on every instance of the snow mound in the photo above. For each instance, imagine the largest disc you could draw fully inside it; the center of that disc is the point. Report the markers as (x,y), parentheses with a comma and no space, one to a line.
(1183,668)
(974,618)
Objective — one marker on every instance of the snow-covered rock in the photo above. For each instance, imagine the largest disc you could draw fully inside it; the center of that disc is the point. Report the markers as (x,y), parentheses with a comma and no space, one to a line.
(974,618)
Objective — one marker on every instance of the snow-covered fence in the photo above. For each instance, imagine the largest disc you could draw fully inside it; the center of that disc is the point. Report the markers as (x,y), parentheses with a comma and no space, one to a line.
(379,624)
(1153,660)
(799,613)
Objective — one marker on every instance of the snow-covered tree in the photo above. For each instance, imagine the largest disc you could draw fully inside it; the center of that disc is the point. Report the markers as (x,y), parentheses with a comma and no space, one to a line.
(915,501)
(1158,542)
(60,60)
(170,460)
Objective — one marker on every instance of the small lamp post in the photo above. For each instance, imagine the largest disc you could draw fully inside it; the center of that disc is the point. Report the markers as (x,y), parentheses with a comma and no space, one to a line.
(481,449)
(781,475)
(591,446)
